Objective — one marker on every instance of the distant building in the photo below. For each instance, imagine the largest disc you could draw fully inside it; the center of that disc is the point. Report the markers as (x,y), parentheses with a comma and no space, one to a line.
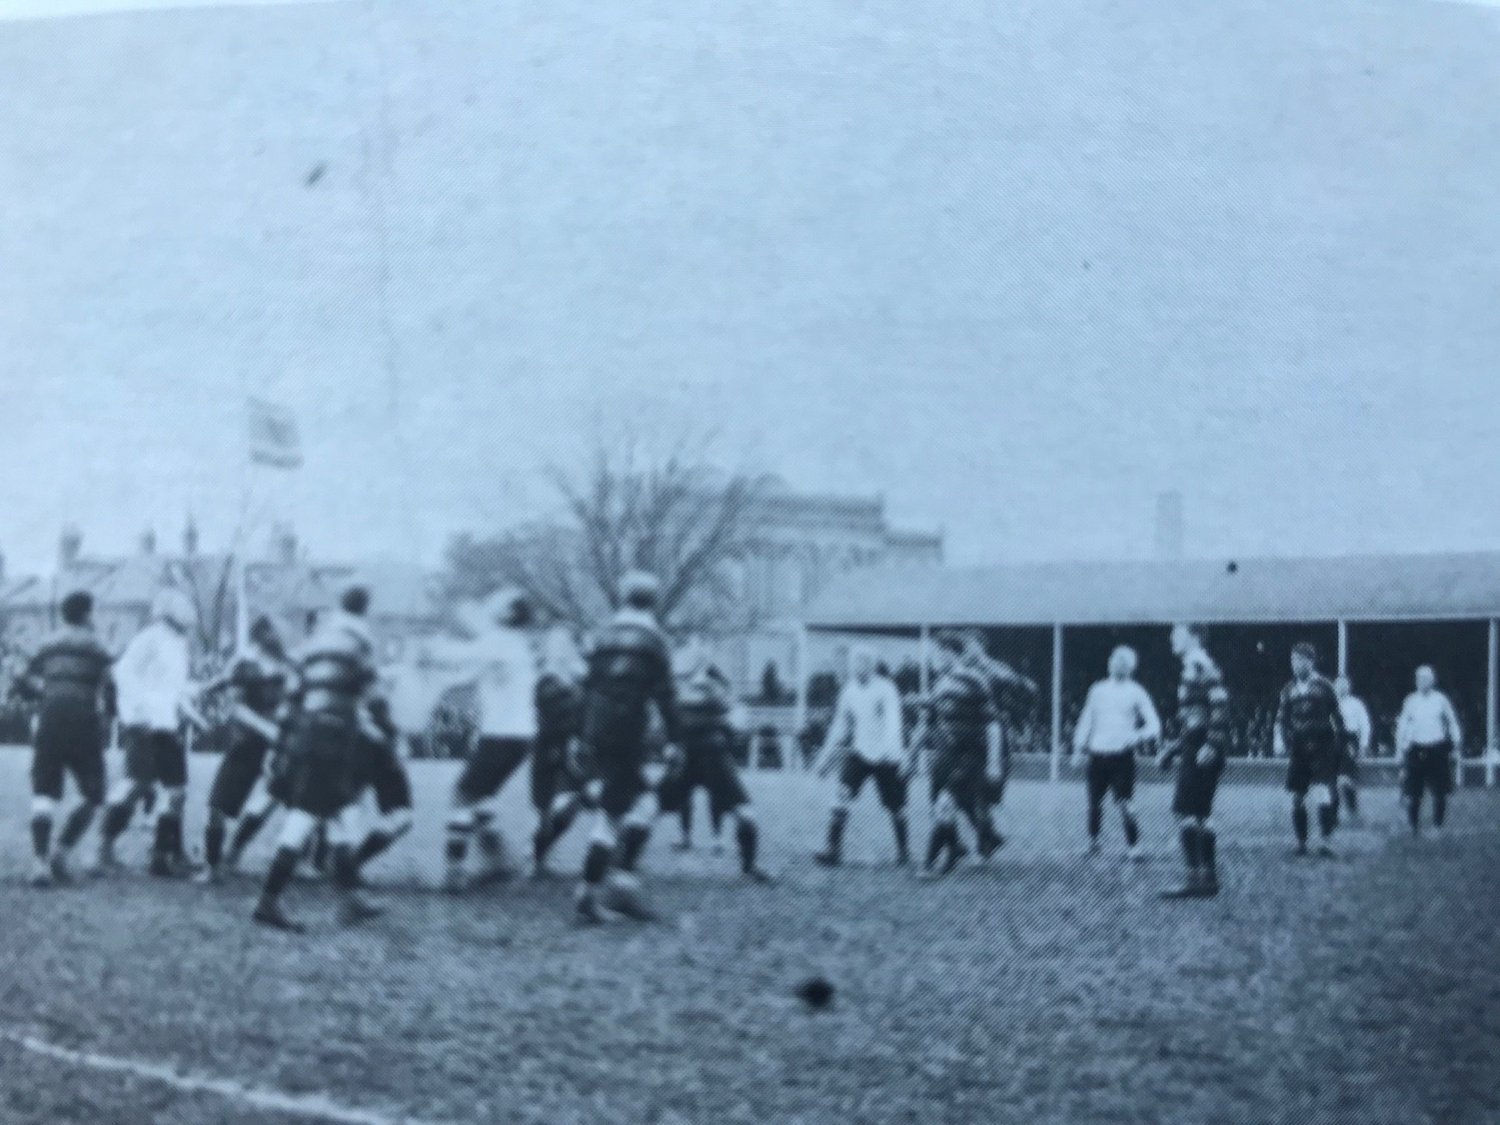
(798,543)
(282,584)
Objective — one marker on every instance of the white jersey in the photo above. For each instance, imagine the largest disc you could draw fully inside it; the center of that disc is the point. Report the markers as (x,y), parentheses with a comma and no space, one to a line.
(506,683)
(1427,718)
(1357,722)
(1117,715)
(869,715)
(151,677)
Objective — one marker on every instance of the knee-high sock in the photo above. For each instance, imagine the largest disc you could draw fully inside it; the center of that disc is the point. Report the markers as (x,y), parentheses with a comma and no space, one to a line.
(1414,812)
(554,827)
(116,820)
(1299,822)
(747,839)
(1351,798)
(633,839)
(1208,849)
(1096,818)
(1327,819)
(1188,836)
(41,834)
(379,840)
(898,829)
(836,822)
(247,828)
(168,826)
(460,828)
(280,874)
(1132,828)
(685,815)
(213,838)
(1439,808)
(76,825)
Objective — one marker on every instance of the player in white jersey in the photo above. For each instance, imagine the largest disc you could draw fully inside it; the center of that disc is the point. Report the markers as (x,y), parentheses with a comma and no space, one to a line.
(155,699)
(1118,718)
(868,718)
(1427,735)
(502,663)
(1358,734)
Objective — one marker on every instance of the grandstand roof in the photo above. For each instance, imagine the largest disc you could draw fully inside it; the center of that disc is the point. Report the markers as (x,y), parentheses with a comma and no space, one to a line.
(1371,587)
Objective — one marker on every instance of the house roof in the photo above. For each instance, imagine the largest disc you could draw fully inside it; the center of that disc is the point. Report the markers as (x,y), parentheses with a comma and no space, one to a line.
(1370,587)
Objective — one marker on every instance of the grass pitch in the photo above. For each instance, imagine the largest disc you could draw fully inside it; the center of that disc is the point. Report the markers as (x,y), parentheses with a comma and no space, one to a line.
(1045,988)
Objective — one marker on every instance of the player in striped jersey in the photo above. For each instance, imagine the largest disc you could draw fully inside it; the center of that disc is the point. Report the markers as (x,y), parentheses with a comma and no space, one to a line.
(69,676)
(964,733)
(1200,750)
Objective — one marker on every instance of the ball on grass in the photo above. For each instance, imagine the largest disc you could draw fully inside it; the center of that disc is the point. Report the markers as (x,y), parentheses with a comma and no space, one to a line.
(816,993)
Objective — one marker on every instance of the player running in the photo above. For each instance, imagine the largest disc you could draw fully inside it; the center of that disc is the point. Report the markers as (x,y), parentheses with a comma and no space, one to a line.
(155,692)
(385,774)
(1358,734)
(1200,749)
(963,730)
(1427,733)
(255,683)
(505,672)
(69,677)
(709,730)
(1118,718)
(317,774)
(630,672)
(1310,731)
(868,717)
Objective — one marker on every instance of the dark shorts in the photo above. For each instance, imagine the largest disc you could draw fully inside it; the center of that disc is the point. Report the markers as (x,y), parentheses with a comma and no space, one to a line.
(1429,769)
(243,764)
(155,757)
(551,774)
(959,771)
(489,767)
(889,783)
(1196,785)
(318,772)
(1315,762)
(69,740)
(386,774)
(1113,774)
(712,769)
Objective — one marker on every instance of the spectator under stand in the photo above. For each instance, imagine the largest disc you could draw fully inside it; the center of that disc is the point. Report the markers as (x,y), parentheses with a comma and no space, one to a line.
(1374,618)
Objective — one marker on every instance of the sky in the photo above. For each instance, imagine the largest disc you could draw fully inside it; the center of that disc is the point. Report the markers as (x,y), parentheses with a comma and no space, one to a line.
(1017,273)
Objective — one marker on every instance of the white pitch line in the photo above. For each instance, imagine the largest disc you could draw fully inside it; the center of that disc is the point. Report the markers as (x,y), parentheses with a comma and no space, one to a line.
(312,1106)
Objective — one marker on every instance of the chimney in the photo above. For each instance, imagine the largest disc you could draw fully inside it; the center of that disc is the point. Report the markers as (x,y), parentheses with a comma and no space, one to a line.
(1169,525)
(148,542)
(69,546)
(190,538)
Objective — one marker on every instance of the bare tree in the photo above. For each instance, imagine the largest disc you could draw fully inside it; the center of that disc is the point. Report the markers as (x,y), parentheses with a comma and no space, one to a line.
(625,509)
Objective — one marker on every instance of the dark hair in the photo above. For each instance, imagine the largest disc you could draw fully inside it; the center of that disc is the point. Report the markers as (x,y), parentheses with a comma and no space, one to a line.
(1305,648)
(521,614)
(77,606)
(642,598)
(355,600)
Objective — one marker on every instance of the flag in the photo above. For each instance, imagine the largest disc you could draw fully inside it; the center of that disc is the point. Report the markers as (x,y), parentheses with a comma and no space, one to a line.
(274,439)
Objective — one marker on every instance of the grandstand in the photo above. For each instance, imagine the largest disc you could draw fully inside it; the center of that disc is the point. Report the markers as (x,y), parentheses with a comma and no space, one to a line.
(1373,617)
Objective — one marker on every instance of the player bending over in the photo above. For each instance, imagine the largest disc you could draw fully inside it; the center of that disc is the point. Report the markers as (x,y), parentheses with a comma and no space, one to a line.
(629,672)
(69,676)
(318,772)
(1199,749)
(708,732)
(1427,733)
(1310,731)
(1118,718)
(867,717)
(155,703)
(967,771)
(555,788)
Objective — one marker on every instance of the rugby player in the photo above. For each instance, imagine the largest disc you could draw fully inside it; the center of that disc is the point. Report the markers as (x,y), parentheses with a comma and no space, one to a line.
(1199,749)
(1427,734)
(1118,718)
(69,677)
(1358,733)
(1310,731)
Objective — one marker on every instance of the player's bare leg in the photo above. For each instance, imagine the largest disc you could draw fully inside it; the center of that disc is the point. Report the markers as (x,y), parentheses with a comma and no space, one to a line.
(1132,831)
(838,819)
